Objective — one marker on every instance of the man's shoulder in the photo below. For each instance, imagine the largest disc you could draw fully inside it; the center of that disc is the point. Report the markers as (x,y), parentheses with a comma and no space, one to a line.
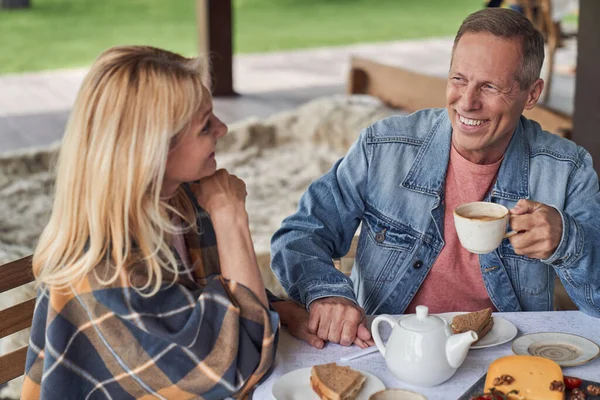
(541,142)
(410,127)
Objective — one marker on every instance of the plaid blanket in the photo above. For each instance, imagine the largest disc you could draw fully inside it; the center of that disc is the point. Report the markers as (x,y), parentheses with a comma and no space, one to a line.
(203,338)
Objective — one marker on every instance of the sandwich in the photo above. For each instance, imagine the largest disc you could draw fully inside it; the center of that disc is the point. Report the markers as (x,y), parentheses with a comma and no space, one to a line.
(335,382)
(479,321)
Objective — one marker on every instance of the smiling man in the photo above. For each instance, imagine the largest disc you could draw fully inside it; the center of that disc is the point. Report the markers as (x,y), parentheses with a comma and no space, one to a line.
(403,178)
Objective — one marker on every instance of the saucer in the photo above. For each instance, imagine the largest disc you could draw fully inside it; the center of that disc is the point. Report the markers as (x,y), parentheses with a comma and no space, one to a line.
(502,332)
(565,349)
(295,385)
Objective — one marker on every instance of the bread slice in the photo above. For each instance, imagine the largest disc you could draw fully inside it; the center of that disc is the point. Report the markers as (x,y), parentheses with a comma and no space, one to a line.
(481,322)
(535,378)
(335,382)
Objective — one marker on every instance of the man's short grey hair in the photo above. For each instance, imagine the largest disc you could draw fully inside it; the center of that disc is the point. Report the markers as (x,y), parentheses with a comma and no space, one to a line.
(510,25)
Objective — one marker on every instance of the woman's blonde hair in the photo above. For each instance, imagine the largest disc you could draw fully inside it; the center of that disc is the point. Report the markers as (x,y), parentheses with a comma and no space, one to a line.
(108,207)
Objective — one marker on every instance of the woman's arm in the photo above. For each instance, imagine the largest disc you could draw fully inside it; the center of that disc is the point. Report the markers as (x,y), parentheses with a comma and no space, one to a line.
(236,252)
(223,196)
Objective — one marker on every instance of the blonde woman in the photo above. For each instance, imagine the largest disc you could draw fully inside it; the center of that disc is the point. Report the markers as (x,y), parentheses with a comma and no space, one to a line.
(134,299)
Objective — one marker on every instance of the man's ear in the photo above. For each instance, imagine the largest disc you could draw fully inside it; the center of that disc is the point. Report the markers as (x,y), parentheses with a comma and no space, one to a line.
(534,94)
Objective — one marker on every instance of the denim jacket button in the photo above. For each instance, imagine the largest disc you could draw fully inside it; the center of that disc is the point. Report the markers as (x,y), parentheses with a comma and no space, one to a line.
(418,264)
(380,237)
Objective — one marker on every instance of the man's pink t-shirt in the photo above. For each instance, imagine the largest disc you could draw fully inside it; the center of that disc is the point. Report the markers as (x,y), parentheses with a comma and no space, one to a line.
(455,283)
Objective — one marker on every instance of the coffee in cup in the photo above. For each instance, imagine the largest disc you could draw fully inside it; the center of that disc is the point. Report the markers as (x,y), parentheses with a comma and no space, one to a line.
(481,226)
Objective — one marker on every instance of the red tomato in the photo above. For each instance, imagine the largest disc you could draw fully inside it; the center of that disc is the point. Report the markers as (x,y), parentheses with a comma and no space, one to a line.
(571,382)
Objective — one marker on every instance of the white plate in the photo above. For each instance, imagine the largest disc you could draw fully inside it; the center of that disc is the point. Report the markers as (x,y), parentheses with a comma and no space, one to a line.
(565,349)
(503,331)
(295,385)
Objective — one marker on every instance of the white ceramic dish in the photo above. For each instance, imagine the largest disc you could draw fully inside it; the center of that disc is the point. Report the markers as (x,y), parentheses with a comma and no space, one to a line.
(397,394)
(502,332)
(565,349)
(295,385)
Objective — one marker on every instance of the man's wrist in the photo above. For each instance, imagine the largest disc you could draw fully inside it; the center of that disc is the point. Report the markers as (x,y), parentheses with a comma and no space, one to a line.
(351,299)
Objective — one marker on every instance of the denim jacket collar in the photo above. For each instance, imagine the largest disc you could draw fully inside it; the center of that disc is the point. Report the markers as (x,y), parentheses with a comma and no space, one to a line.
(427,177)
(513,178)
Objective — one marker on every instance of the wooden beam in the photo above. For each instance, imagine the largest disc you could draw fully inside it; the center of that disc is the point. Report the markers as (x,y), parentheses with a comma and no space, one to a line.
(215,39)
(586,118)
(16,273)
(12,364)
(16,318)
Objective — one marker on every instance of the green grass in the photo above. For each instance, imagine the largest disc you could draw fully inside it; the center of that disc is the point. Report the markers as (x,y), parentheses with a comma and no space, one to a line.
(71,33)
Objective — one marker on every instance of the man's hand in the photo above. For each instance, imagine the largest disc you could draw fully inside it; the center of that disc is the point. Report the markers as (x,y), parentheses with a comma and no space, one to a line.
(339,320)
(539,227)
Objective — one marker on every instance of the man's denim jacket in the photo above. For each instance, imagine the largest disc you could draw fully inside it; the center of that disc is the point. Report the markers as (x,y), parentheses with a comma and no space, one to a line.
(392,181)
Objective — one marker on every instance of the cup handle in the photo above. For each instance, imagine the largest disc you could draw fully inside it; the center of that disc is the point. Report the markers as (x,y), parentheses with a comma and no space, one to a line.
(511,232)
(375,330)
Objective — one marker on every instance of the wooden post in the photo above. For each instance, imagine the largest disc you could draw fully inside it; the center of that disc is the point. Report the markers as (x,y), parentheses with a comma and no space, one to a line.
(215,39)
(586,117)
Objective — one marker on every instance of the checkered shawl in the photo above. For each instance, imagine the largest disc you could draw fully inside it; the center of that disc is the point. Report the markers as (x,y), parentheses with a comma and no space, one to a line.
(204,337)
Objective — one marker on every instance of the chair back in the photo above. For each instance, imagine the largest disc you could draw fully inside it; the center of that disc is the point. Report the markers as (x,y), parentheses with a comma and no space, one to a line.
(15,318)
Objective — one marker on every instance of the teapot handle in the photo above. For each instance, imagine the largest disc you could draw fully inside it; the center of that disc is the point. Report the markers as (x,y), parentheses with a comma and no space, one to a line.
(375,330)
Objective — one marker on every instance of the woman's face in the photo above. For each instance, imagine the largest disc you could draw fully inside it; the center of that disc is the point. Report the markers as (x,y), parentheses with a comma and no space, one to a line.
(192,156)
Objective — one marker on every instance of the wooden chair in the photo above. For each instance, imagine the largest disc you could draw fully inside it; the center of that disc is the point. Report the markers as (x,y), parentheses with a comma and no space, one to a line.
(346,262)
(15,318)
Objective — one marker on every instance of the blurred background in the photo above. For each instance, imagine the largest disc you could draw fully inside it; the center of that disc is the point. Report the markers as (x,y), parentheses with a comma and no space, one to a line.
(301,47)
(53,34)
(295,80)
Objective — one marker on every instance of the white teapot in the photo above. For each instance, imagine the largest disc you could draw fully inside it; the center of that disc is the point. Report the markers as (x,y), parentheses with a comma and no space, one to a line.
(422,350)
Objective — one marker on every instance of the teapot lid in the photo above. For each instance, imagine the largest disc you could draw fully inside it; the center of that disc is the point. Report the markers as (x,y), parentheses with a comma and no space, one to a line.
(422,321)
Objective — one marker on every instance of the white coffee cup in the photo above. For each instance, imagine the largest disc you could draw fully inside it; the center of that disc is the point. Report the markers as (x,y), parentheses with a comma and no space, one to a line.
(481,226)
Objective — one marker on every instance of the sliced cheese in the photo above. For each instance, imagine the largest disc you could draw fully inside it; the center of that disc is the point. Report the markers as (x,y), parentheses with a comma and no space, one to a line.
(532,376)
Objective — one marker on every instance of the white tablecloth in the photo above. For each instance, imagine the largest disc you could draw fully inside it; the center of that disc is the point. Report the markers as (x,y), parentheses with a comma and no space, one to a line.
(294,354)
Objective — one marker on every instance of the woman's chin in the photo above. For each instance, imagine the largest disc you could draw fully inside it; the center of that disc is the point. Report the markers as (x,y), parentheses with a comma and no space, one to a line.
(209,169)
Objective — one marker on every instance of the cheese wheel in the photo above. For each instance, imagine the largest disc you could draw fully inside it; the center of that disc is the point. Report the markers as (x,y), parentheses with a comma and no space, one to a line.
(531,376)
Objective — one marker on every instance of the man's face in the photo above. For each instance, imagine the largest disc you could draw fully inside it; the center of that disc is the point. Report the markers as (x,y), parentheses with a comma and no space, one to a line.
(483,98)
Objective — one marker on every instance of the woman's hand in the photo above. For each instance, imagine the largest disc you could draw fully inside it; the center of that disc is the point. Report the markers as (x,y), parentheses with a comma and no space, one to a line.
(295,318)
(221,191)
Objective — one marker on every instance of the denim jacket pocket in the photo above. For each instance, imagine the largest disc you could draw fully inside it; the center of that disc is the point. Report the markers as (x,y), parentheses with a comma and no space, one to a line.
(383,248)
(530,276)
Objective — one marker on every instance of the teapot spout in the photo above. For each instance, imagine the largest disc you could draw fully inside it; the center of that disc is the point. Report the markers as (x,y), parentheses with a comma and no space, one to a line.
(458,346)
